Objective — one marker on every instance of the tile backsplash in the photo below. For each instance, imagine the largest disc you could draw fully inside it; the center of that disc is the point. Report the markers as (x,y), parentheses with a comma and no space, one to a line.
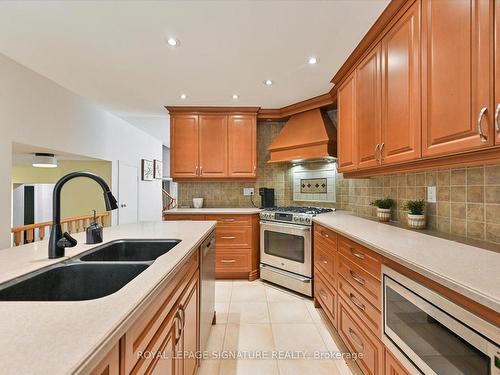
(468,199)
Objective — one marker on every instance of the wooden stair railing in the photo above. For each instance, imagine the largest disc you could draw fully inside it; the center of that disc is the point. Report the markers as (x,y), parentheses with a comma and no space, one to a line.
(28,233)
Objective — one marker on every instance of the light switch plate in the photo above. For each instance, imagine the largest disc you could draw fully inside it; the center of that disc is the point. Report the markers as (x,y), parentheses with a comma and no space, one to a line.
(431,194)
(248,191)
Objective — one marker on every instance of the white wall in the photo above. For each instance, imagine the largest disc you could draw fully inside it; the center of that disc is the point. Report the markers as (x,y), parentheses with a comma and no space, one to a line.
(37,111)
(157,126)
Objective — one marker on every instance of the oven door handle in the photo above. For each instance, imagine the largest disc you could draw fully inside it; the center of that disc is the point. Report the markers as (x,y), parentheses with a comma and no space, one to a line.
(297,227)
(287,274)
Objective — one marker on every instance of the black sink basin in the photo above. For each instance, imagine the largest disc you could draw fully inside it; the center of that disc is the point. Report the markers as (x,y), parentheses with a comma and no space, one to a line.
(130,251)
(72,282)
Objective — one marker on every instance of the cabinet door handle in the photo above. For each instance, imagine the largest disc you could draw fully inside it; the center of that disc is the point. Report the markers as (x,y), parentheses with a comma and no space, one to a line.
(228,220)
(382,152)
(228,238)
(177,331)
(356,302)
(196,172)
(201,170)
(357,254)
(356,339)
(482,112)
(497,114)
(360,280)
(377,156)
(324,234)
(228,261)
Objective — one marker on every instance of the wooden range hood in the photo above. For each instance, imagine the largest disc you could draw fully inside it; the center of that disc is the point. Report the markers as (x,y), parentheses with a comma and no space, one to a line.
(306,136)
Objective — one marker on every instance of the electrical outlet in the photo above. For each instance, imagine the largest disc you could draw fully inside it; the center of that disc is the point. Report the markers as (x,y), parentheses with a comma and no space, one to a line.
(431,194)
(248,191)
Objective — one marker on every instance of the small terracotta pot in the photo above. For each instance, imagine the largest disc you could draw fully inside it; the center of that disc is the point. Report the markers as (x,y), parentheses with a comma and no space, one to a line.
(416,221)
(384,214)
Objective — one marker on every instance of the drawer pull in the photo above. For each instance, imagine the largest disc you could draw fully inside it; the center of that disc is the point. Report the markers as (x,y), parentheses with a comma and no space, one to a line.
(324,234)
(360,280)
(325,261)
(323,294)
(356,339)
(228,261)
(357,302)
(228,237)
(357,254)
(228,220)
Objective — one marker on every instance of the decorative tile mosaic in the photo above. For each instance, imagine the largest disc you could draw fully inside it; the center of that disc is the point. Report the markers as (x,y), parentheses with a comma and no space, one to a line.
(313,185)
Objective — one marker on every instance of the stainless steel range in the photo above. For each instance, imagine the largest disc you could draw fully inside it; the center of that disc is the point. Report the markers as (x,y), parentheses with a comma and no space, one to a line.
(286,246)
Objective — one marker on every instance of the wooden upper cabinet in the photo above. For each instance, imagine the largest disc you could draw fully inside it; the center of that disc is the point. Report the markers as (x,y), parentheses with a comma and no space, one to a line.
(184,147)
(368,106)
(242,137)
(346,113)
(497,72)
(456,39)
(401,110)
(213,145)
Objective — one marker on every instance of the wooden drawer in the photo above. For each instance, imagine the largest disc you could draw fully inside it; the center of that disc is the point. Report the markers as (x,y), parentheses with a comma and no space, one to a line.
(233,237)
(361,280)
(325,261)
(363,257)
(175,217)
(327,235)
(360,305)
(139,336)
(360,340)
(231,220)
(393,366)
(326,296)
(232,261)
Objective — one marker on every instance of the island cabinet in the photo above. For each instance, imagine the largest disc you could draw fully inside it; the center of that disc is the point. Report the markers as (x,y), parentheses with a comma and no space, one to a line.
(237,244)
(425,92)
(164,338)
(212,144)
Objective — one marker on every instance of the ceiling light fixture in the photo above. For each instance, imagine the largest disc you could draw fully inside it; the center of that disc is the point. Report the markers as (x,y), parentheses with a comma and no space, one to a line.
(183,96)
(235,96)
(172,42)
(44,160)
(268,82)
(312,60)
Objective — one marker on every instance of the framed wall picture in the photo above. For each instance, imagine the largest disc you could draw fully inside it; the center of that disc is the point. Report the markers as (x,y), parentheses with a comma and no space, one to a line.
(146,170)
(158,169)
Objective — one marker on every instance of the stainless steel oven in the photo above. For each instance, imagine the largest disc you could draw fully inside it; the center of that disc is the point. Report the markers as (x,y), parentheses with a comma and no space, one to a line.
(432,335)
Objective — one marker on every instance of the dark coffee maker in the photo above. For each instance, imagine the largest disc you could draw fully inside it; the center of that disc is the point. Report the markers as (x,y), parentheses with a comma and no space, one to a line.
(266,197)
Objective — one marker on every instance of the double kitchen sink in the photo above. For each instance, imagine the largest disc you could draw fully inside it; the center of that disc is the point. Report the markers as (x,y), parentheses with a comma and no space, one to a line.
(96,273)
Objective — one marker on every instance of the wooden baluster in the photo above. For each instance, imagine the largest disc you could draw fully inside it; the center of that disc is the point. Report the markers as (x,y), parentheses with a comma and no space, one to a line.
(29,235)
(41,233)
(17,238)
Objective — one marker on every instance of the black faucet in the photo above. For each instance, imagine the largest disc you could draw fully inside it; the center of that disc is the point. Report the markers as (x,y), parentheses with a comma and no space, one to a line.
(59,241)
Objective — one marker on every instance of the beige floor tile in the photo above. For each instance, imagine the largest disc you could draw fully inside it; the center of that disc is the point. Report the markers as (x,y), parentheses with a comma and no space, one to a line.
(248,312)
(209,367)
(298,336)
(249,367)
(222,310)
(307,367)
(248,292)
(216,338)
(223,291)
(275,294)
(289,312)
(314,312)
(248,337)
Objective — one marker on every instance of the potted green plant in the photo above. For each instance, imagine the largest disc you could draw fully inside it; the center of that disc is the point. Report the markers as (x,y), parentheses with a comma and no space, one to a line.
(383,208)
(416,217)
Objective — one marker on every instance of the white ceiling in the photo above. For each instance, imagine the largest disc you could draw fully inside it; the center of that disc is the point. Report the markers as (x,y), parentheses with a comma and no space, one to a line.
(23,154)
(114,53)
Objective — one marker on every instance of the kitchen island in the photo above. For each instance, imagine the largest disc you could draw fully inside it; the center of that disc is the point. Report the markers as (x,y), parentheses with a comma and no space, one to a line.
(61,337)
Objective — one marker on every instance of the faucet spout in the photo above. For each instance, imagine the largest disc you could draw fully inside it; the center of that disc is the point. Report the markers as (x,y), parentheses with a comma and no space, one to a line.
(58,240)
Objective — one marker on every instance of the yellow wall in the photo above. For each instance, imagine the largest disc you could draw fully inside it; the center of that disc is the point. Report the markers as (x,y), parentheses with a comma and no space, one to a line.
(79,196)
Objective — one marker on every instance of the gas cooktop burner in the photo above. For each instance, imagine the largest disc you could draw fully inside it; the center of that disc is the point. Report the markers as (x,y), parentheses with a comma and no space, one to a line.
(293,214)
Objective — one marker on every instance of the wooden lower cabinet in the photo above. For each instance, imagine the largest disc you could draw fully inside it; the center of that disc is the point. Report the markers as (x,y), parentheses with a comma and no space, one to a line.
(237,243)
(392,365)
(325,296)
(110,365)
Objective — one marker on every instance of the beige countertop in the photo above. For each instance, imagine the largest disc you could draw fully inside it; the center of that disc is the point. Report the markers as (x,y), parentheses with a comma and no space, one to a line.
(213,211)
(71,337)
(468,270)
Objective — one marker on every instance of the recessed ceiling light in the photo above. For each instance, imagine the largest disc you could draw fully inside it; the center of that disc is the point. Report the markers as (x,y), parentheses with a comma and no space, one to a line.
(235,96)
(172,42)
(312,60)
(43,160)
(268,82)
(183,96)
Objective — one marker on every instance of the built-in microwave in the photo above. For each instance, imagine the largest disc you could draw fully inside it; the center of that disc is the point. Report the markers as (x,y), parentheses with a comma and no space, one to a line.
(430,334)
